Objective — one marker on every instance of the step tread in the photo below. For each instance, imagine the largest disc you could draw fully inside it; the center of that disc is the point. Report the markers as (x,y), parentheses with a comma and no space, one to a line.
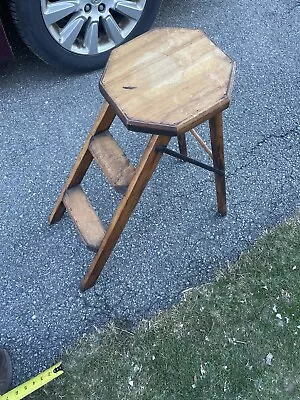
(85,218)
(112,160)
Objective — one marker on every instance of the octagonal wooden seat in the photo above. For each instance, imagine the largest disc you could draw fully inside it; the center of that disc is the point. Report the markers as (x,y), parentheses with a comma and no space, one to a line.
(168,81)
(164,83)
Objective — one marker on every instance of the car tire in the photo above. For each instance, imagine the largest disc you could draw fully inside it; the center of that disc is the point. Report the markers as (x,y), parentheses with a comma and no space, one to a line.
(48,40)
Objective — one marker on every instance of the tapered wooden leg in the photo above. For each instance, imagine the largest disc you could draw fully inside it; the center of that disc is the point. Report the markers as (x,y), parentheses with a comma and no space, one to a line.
(182,144)
(144,171)
(216,137)
(102,123)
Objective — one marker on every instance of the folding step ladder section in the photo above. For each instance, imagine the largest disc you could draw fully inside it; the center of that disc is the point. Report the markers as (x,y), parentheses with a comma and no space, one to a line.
(112,160)
(85,218)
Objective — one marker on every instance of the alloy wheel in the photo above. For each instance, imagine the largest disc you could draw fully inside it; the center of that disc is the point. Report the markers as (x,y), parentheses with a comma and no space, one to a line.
(90,27)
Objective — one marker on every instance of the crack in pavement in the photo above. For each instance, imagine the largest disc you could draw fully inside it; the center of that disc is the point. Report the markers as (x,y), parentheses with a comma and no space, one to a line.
(288,134)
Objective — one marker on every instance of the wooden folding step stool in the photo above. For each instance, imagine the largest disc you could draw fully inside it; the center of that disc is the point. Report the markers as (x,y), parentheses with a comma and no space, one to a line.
(165,82)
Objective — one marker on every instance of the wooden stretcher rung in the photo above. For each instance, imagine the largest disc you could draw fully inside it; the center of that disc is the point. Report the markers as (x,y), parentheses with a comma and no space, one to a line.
(85,218)
(112,160)
(202,143)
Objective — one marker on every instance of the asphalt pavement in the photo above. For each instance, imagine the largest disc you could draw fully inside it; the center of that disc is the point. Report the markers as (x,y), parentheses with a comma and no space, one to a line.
(175,240)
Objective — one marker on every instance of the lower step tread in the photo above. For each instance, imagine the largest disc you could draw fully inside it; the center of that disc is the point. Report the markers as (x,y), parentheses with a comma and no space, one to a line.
(85,218)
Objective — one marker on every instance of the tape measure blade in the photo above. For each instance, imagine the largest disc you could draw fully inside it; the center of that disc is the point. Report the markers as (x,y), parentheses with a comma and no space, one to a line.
(24,390)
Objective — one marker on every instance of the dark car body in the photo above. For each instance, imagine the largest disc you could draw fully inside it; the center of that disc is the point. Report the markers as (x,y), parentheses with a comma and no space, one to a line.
(5,49)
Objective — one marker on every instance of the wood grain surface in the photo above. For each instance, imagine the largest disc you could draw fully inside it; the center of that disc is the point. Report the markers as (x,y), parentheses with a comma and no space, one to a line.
(168,80)
(88,224)
(112,160)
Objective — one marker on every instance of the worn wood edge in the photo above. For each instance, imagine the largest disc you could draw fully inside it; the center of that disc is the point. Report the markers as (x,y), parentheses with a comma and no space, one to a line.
(165,129)
(221,49)
(136,125)
(66,200)
(233,68)
(219,107)
(128,171)
(173,29)
(231,81)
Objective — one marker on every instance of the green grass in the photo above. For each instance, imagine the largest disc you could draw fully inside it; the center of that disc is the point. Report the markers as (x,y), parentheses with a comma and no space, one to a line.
(212,345)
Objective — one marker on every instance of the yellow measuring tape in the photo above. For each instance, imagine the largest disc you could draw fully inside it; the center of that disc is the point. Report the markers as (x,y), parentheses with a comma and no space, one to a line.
(34,384)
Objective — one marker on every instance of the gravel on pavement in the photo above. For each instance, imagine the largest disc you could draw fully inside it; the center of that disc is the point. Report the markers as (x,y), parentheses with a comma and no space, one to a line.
(174,239)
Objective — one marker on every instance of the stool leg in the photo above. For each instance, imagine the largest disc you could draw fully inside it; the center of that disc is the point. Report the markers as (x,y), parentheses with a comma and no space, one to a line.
(102,123)
(144,171)
(182,144)
(216,136)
